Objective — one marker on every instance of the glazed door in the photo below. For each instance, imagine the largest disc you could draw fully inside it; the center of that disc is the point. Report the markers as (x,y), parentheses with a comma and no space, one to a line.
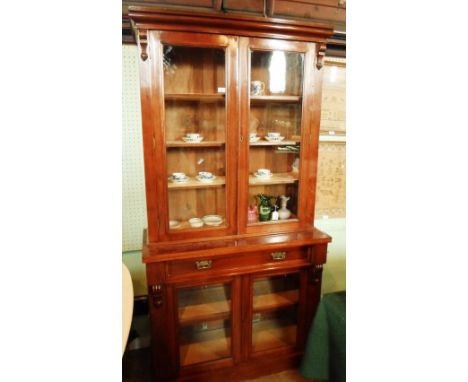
(277,101)
(205,317)
(196,84)
(276,312)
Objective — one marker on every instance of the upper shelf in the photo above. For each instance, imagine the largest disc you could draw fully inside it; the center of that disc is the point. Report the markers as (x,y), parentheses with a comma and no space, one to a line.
(275,98)
(201,144)
(278,178)
(203,97)
(268,143)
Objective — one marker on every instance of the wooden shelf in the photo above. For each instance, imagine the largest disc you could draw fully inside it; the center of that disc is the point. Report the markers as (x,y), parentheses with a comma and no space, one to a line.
(184,225)
(201,97)
(269,336)
(275,98)
(194,183)
(279,178)
(275,300)
(204,312)
(211,345)
(268,143)
(170,144)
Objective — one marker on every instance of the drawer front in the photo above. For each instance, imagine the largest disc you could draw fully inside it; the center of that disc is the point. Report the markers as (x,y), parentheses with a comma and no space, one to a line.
(239,262)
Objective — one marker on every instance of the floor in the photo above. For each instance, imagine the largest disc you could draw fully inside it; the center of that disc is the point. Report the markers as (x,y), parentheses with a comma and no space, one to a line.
(136,367)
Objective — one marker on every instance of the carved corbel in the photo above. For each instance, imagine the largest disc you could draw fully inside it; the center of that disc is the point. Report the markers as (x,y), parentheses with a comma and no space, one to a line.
(321,48)
(316,273)
(143,42)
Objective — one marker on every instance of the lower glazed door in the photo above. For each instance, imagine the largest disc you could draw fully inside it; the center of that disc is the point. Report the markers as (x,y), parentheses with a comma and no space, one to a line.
(205,317)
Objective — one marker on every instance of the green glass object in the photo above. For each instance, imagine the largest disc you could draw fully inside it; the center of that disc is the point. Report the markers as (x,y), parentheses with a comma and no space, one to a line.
(264,209)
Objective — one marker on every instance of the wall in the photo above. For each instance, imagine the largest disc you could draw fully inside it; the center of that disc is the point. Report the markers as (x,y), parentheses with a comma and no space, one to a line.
(133,192)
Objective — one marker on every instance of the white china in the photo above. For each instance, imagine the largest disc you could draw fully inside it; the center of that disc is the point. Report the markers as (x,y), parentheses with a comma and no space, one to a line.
(212,220)
(205,180)
(192,140)
(276,139)
(273,134)
(196,222)
(264,172)
(253,140)
(174,224)
(193,136)
(205,175)
(257,88)
(178,175)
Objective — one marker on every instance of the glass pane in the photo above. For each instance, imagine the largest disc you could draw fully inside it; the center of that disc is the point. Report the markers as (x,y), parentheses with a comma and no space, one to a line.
(274,135)
(195,122)
(274,329)
(274,321)
(204,323)
(275,292)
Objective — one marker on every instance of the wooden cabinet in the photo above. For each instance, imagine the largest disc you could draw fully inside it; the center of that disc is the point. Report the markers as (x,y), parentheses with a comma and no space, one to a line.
(231,114)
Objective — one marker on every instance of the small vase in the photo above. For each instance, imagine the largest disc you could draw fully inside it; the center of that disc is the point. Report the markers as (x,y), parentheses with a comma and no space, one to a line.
(283,212)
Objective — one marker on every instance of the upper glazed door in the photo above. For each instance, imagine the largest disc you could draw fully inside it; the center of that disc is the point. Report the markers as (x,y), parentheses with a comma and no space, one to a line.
(277,104)
(197,94)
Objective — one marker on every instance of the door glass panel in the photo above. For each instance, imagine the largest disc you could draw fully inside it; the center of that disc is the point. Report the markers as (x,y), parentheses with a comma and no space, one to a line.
(195,129)
(274,135)
(204,323)
(275,304)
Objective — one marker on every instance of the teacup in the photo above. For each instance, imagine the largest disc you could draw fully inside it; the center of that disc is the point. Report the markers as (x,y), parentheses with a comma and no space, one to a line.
(192,136)
(274,135)
(178,175)
(263,172)
(252,136)
(257,88)
(205,175)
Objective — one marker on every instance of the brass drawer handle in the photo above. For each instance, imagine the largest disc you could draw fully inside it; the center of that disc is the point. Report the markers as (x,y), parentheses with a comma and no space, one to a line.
(278,256)
(203,264)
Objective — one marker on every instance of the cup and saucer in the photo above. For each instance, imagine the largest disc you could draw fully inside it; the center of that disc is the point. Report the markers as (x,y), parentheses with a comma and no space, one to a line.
(205,176)
(263,173)
(192,138)
(253,138)
(179,177)
(274,137)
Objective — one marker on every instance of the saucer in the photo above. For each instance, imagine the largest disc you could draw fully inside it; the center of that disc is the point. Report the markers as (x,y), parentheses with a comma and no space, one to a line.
(196,222)
(205,180)
(174,224)
(253,140)
(270,139)
(212,220)
(189,140)
(184,180)
(263,176)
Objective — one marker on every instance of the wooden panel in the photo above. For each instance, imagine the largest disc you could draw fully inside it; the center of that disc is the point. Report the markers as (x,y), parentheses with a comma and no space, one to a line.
(313,11)
(239,263)
(248,6)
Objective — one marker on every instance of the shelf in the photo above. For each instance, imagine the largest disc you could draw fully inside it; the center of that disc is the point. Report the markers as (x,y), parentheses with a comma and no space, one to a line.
(170,144)
(267,143)
(197,97)
(275,98)
(269,336)
(186,225)
(205,312)
(212,345)
(275,300)
(279,178)
(193,183)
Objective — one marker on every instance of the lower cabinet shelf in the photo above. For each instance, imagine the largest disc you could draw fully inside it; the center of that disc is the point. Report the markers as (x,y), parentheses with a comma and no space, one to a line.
(266,337)
(202,344)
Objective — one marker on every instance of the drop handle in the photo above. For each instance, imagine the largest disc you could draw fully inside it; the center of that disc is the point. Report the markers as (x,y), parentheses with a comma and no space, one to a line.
(278,256)
(203,264)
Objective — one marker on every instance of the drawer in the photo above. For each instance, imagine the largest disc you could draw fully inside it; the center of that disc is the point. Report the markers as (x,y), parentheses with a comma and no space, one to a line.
(252,262)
